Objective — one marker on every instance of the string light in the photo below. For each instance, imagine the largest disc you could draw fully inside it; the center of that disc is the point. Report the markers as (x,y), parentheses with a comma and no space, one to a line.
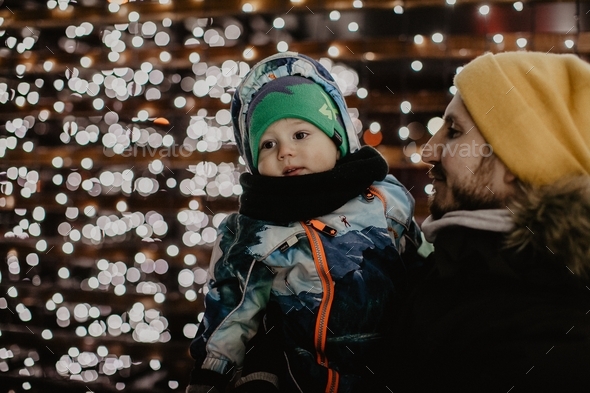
(417,65)
(278,23)
(406,107)
(437,38)
(333,51)
(282,46)
(521,42)
(404,133)
(484,10)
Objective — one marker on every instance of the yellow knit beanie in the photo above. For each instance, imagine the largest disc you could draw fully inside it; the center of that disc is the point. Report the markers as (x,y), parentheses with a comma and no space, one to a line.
(533,109)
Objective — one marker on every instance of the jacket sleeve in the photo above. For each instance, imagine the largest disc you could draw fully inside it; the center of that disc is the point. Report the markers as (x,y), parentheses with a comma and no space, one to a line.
(238,291)
(399,211)
(407,235)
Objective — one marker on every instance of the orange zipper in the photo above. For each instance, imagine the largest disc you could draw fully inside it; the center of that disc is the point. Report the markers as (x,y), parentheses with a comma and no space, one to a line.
(321,328)
(320,226)
(333,381)
(377,193)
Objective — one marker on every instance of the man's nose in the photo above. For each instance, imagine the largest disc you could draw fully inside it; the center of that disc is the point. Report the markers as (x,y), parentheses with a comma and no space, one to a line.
(432,150)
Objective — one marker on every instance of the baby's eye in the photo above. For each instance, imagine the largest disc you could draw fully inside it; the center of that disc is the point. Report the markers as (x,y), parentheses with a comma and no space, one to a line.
(267,145)
(300,135)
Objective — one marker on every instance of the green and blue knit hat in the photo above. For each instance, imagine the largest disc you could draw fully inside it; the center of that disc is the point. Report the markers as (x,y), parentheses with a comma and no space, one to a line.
(294,97)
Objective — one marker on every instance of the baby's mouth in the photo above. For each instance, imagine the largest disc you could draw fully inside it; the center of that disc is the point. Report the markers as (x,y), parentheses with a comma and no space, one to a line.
(292,171)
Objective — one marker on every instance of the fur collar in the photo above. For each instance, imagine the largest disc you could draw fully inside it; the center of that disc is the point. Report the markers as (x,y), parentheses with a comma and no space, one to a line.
(554,221)
(551,222)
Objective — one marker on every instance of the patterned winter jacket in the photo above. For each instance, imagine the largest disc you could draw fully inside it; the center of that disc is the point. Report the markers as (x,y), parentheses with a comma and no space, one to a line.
(336,279)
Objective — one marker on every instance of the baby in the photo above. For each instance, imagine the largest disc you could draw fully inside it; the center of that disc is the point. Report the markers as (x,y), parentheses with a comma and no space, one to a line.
(316,247)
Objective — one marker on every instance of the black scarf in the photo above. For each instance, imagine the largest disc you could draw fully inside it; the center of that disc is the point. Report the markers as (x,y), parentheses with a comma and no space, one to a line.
(297,198)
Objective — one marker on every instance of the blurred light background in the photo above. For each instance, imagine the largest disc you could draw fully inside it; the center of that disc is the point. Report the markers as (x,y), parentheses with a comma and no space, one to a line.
(118,161)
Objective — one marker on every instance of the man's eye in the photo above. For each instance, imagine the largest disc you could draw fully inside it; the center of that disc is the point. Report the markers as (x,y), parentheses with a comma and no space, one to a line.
(453,133)
(267,145)
(300,135)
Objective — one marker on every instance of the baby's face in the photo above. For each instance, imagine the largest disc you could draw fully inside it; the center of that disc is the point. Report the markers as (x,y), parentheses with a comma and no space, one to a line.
(292,147)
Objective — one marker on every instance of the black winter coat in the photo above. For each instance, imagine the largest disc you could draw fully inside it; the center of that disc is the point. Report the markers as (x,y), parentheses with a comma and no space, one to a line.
(490,319)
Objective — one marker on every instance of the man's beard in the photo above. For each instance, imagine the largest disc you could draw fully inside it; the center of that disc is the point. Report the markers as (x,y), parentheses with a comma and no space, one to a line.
(473,195)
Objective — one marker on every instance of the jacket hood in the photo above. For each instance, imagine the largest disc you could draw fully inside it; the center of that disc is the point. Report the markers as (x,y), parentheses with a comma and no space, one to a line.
(276,66)
(554,220)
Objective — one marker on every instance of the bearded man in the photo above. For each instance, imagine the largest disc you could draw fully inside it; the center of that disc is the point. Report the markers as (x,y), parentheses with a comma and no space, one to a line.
(506,307)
